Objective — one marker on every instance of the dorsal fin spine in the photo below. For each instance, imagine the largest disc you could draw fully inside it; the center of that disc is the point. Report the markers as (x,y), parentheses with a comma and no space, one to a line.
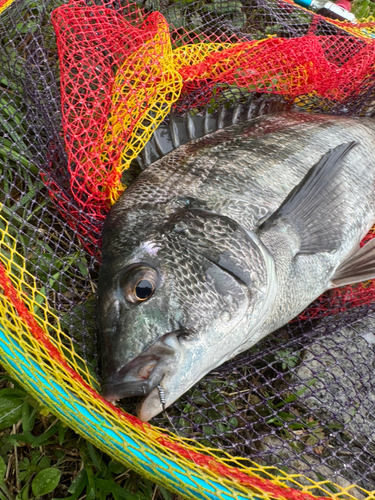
(182,130)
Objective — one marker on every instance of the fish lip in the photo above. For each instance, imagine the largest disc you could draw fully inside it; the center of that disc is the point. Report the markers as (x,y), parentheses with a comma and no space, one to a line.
(127,381)
(114,392)
(145,411)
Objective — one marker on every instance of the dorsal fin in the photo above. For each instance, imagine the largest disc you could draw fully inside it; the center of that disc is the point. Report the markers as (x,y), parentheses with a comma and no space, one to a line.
(176,131)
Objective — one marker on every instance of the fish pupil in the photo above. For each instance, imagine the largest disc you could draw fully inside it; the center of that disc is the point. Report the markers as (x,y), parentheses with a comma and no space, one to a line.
(144,289)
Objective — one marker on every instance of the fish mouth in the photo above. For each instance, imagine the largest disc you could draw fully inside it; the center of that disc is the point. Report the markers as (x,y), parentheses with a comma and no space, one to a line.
(150,406)
(143,374)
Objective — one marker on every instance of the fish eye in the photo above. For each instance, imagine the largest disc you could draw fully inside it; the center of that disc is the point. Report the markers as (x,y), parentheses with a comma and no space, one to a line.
(139,283)
(144,289)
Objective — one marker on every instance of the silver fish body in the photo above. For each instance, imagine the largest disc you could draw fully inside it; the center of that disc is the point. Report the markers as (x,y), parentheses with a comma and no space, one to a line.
(213,246)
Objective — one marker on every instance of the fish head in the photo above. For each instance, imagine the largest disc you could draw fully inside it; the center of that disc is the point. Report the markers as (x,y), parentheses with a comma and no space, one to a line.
(185,301)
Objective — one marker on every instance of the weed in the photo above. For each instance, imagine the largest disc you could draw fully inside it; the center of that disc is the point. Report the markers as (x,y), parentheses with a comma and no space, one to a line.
(40,458)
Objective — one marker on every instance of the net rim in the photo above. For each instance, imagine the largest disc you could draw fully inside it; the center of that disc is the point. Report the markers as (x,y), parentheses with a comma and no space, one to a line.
(162,457)
(193,482)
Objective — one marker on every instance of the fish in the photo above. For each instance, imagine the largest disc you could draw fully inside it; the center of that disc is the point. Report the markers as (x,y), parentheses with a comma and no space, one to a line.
(224,240)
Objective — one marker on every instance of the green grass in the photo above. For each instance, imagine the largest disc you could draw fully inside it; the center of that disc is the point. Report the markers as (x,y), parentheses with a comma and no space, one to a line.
(40,458)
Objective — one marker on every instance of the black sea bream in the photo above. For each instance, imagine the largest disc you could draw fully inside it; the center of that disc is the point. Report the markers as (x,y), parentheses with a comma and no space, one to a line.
(226,239)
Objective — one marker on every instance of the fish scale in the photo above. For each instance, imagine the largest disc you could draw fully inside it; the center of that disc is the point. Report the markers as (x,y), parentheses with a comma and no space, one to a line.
(189,166)
(238,231)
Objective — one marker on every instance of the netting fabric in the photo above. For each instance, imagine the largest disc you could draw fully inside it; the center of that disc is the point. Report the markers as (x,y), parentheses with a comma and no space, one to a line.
(83,86)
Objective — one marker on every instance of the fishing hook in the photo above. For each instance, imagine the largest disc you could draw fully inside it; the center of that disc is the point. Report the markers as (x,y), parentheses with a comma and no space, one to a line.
(162,396)
(163,402)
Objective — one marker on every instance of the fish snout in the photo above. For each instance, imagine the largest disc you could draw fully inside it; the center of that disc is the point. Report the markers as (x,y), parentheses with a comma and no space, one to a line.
(150,406)
(144,373)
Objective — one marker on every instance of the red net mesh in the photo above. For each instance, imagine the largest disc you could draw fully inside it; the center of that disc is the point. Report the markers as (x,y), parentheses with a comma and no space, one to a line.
(288,67)
(101,54)
(122,70)
(303,399)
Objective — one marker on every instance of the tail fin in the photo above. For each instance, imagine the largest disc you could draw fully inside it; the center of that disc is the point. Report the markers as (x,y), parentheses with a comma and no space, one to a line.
(359,266)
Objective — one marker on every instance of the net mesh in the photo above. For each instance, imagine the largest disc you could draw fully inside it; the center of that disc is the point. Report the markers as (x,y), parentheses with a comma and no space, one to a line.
(83,86)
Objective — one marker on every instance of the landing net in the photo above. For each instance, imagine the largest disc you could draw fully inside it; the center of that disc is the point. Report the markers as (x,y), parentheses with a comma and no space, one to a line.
(83,86)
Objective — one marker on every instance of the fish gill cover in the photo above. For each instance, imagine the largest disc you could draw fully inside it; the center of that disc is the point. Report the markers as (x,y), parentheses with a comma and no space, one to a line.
(82,87)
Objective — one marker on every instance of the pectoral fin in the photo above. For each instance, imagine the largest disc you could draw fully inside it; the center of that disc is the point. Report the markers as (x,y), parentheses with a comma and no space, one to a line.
(313,205)
(359,266)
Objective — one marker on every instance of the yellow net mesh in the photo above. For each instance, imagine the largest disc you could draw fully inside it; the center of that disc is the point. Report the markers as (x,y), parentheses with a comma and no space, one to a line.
(34,346)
